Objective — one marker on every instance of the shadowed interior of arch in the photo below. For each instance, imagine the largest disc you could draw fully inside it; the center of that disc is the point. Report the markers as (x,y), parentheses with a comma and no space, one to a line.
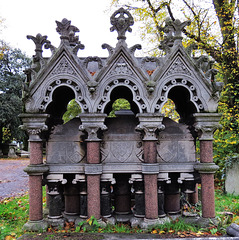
(121,92)
(185,108)
(60,99)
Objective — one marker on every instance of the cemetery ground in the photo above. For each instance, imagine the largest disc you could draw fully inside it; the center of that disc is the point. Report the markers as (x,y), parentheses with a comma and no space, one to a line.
(14,214)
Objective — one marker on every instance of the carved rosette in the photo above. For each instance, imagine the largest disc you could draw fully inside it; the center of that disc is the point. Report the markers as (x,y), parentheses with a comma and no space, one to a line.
(206,124)
(92,123)
(149,125)
(34,124)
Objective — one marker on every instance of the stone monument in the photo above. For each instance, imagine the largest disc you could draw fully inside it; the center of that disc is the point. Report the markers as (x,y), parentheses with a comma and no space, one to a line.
(139,161)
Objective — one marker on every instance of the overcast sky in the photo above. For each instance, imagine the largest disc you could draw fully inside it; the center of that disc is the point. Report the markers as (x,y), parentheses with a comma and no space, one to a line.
(30,17)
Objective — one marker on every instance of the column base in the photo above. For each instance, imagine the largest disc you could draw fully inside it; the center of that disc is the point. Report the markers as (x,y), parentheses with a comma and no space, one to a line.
(146,223)
(56,222)
(123,217)
(35,226)
(69,217)
(136,221)
(109,220)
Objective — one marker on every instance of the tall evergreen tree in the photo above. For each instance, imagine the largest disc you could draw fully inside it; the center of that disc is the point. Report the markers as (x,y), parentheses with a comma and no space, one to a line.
(12,64)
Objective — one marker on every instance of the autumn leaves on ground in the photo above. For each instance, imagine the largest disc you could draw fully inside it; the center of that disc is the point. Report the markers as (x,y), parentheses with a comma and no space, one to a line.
(14,213)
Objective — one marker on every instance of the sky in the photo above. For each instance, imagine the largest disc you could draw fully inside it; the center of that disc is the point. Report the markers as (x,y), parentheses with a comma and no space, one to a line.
(30,17)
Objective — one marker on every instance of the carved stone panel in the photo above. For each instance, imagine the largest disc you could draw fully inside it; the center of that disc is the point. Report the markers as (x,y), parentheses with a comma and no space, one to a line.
(176,143)
(65,145)
(121,143)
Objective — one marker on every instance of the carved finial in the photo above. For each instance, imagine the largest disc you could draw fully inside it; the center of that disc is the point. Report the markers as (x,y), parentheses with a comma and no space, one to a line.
(67,32)
(121,21)
(173,33)
(39,41)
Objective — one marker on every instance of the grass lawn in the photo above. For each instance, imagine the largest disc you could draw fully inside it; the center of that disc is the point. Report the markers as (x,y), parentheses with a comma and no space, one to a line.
(14,213)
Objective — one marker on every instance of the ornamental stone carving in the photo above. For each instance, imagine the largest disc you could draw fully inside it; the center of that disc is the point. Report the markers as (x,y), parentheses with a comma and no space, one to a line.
(92,123)
(63,67)
(206,124)
(149,125)
(121,21)
(34,124)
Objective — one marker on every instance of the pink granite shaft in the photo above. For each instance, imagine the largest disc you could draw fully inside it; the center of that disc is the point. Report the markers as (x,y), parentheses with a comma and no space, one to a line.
(93,152)
(35,198)
(207,180)
(151,196)
(36,156)
(150,182)
(206,151)
(93,197)
(93,181)
(150,152)
(208,202)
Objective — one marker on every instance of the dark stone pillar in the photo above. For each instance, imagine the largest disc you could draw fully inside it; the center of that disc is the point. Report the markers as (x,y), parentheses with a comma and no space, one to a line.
(55,217)
(172,196)
(206,124)
(122,194)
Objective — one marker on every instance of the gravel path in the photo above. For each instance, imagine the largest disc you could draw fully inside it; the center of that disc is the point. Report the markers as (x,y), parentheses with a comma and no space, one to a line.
(13,180)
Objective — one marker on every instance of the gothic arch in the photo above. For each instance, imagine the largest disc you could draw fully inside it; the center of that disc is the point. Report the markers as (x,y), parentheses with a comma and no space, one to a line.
(138,96)
(185,84)
(47,92)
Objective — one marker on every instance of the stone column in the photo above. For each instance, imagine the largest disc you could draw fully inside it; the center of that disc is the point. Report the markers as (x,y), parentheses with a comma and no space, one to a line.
(150,124)
(34,124)
(91,124)
(206,124)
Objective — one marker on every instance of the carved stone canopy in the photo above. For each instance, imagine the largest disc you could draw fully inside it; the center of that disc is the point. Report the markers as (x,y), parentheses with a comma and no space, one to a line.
(94,82)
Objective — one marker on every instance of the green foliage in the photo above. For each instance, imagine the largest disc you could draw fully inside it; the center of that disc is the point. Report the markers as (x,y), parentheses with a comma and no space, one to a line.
(73,110)
(12,65)
(89,225)
(169,110)
(175,226)
(119,104)
(226,143)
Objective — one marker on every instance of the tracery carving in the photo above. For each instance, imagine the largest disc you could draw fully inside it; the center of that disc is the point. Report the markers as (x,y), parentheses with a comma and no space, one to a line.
(63,67)
(121,67)
(178,67)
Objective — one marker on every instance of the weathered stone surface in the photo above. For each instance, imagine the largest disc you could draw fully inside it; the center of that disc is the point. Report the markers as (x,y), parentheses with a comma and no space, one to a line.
(176,143)
(65,144)
(232,179)
(121,143)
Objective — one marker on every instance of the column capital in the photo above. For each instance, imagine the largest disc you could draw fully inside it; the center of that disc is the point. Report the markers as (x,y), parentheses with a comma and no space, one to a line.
(92,123)
(150,123)
(206,124)
(34,124)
